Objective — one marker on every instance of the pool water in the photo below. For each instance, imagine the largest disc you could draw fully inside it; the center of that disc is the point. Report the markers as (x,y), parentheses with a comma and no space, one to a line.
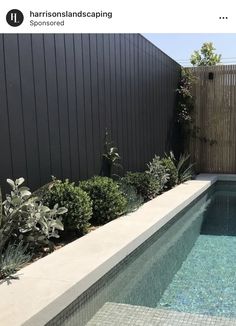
(206,282)
(189,265)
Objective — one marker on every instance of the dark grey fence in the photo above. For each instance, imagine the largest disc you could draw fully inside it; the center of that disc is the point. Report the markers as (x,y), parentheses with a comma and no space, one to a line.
(59,92)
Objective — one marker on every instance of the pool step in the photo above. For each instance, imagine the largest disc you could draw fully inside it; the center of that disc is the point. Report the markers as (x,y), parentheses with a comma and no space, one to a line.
(119,314)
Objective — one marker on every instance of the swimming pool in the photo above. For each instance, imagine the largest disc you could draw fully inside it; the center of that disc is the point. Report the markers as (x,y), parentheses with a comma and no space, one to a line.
(188,265)
(205,283)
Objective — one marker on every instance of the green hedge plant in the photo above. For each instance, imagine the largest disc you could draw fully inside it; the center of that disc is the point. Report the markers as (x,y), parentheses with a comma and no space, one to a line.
(108,200)
(77,203)
(144,183)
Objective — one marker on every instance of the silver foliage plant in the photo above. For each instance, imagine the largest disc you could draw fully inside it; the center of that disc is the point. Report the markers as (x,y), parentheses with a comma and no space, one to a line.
(24,217)
(156,168)
(14,257)
(170,171)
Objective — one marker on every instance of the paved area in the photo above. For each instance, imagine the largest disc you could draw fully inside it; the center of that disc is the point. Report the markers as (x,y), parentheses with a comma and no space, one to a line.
(117,314)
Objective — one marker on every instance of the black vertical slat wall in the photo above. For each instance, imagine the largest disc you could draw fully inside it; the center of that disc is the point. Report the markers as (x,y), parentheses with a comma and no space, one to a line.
(59,92)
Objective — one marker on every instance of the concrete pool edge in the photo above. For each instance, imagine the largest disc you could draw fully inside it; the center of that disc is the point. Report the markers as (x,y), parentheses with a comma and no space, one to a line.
(47,286)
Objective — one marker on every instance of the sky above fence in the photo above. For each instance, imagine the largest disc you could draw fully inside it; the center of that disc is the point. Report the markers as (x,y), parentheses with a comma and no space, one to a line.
(181,46)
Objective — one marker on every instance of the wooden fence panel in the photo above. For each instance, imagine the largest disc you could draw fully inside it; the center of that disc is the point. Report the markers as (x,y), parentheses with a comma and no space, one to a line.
(215,115)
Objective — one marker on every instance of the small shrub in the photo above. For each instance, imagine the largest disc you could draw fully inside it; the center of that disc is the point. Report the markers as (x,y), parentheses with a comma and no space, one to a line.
(13,258)
(108,200)
(171,169)
(134,200)
(184,169)
(24,217)
(158,171)
(77,202)
(144,183)
(110,157)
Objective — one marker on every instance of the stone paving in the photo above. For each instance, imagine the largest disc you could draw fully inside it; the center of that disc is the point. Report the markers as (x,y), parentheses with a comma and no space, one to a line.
(117,314)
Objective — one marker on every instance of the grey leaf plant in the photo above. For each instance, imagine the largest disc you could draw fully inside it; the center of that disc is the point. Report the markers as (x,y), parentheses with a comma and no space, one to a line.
(24,217)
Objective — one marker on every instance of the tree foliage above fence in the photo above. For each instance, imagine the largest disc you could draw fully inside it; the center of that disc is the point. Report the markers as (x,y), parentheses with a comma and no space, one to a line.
(205,56)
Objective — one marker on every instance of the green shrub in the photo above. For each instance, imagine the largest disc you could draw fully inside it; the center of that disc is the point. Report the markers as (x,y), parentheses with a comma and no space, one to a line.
(134,200)
(108,201)
(144,183)
(77,202)
(181,169)
(171,169)
(158,171)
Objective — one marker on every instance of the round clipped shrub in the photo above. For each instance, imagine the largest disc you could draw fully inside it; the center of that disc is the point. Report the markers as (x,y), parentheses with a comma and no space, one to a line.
(144,183)
(77,202)
(108,200)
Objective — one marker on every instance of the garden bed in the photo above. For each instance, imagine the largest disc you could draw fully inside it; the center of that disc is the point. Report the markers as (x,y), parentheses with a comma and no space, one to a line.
(31,223)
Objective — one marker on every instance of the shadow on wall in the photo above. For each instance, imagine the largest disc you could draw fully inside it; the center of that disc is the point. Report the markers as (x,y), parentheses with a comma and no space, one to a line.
(220,217)
(174,139)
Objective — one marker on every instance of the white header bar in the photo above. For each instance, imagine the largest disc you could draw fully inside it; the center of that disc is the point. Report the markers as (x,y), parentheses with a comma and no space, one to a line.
(151,16)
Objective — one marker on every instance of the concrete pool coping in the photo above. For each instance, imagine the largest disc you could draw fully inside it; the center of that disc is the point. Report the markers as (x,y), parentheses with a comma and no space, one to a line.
(49,285)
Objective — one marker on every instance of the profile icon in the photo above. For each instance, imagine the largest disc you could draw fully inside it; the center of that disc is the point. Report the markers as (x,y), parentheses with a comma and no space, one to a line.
(14,17)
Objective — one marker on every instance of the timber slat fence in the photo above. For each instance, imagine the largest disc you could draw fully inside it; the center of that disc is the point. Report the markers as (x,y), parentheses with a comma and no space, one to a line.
(59,92)
(214,149)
